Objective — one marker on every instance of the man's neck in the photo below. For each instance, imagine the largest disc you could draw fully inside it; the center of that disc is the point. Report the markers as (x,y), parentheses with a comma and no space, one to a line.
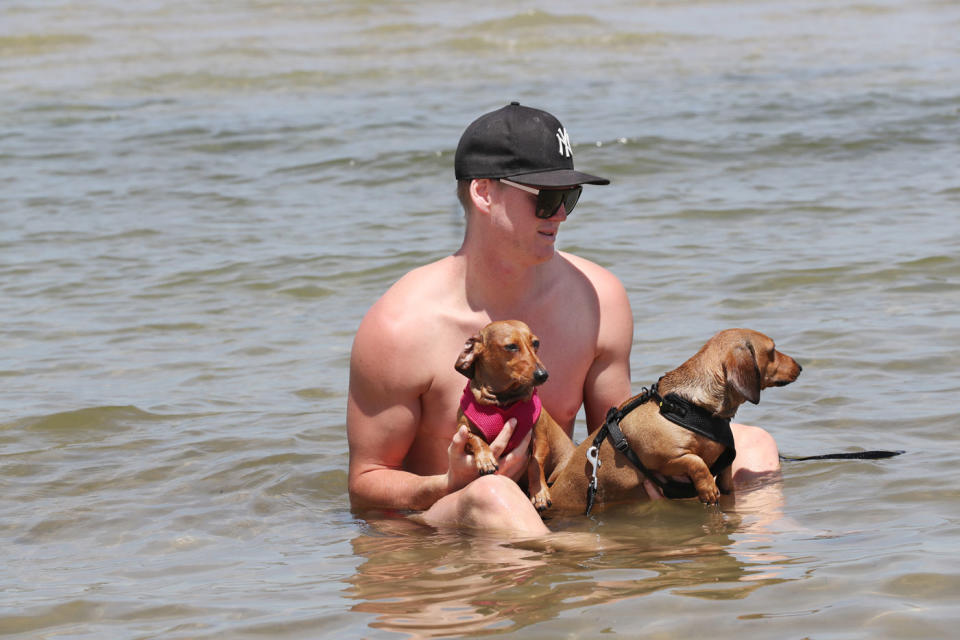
(499,285)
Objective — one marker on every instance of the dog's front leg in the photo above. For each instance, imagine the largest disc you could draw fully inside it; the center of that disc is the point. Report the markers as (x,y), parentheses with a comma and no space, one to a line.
(536,480)
(693,466)
(482,455)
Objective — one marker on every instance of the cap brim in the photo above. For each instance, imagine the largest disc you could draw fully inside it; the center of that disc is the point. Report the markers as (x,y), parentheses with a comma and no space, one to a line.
(557,178)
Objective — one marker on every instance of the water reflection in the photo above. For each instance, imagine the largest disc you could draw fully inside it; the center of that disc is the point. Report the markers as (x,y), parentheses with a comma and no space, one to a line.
(427,583)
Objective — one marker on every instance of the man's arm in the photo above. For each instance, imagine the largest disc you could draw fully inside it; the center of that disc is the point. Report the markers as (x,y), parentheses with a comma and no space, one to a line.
(607,383)
(608,380)
(383,414)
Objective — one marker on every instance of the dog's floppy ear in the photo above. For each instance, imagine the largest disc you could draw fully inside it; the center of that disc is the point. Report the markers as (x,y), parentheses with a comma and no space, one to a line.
(466,363)
(743,373)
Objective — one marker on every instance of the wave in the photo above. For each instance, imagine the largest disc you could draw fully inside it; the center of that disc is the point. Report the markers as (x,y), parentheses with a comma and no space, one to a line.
(103,418)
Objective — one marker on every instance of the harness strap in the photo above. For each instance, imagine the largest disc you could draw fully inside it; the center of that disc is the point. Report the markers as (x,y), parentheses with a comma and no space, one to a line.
(699,420)
(611,430)
(619,441)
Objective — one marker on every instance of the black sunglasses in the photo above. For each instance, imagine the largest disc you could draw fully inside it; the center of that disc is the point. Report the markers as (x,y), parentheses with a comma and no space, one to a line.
(549,200)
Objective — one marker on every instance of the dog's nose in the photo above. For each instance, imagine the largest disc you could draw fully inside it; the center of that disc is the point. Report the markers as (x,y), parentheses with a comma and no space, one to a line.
(540,375)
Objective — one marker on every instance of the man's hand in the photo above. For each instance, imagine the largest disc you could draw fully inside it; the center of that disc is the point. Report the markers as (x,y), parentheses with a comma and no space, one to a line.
(462,466)
(653,491)
(514,464)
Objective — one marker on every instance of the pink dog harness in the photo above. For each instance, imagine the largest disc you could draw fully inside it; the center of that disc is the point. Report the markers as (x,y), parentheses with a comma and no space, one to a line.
(490,419)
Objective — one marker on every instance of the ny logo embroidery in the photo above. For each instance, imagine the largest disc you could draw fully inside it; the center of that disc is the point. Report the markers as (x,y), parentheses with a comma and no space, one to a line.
(564,141)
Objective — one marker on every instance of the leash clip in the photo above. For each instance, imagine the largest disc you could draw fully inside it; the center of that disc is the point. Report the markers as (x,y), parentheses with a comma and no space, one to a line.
(593,457)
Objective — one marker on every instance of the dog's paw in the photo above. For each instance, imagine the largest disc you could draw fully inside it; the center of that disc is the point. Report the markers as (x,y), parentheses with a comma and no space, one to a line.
(541,500)
(710,496)
(487,465)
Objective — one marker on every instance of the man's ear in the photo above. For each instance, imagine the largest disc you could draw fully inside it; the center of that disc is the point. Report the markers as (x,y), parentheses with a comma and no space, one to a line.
(742,373)
(466,363)
(480,194)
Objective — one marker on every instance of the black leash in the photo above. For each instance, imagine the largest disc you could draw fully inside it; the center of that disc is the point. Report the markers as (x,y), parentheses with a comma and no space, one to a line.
(855,455)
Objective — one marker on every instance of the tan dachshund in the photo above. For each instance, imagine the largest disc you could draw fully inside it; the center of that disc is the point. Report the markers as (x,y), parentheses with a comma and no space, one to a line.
(731,368)
(504,370)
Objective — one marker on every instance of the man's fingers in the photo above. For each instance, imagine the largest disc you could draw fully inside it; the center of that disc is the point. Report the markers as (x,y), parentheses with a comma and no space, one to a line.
(461,467)
(653,492)
(520,451)
(514,464)
(458,443)
(503,438)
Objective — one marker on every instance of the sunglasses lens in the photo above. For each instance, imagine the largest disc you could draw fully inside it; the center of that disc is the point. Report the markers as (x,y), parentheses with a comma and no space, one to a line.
(570,201)
(549,201)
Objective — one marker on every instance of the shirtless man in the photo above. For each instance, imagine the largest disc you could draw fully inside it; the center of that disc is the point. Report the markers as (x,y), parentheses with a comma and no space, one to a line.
(405,450)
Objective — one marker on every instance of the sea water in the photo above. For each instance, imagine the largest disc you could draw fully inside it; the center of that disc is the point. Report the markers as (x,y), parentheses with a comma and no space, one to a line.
(200,200)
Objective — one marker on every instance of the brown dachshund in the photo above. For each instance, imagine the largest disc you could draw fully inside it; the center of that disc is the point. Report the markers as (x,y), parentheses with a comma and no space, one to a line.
(731,368)
(504,370)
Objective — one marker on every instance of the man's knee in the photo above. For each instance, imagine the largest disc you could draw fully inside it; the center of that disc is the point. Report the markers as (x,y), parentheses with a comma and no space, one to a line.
(757,451)
(492,494)
(495,502)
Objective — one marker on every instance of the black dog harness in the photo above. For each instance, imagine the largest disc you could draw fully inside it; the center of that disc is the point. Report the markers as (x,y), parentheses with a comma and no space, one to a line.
(677,410)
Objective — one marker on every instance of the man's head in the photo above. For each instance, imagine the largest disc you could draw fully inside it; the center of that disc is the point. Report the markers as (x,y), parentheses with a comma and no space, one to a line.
(522,144)
(516,165)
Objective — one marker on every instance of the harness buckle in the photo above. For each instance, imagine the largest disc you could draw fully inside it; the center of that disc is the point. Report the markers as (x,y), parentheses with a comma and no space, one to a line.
(672,407)
(621,445)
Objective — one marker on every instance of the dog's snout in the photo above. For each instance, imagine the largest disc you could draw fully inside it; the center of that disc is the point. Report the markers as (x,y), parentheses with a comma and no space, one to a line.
(540,375)
(788,370)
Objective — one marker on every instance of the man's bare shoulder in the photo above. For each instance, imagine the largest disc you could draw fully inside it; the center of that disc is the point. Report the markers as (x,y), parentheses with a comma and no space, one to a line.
(615,337)
(407,316)
(406,301)
(605,283)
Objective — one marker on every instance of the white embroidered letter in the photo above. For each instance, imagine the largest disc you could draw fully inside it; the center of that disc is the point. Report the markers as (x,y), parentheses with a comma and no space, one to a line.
(564,141)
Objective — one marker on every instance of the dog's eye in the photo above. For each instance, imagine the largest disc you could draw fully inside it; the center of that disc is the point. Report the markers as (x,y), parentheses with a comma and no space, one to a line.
(536,344)
(511,347)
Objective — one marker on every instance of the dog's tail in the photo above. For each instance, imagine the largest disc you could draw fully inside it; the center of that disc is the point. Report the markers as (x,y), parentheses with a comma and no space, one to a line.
(854,455)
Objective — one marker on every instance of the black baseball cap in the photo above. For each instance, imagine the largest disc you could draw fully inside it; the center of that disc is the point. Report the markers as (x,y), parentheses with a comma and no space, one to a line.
(523,144)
